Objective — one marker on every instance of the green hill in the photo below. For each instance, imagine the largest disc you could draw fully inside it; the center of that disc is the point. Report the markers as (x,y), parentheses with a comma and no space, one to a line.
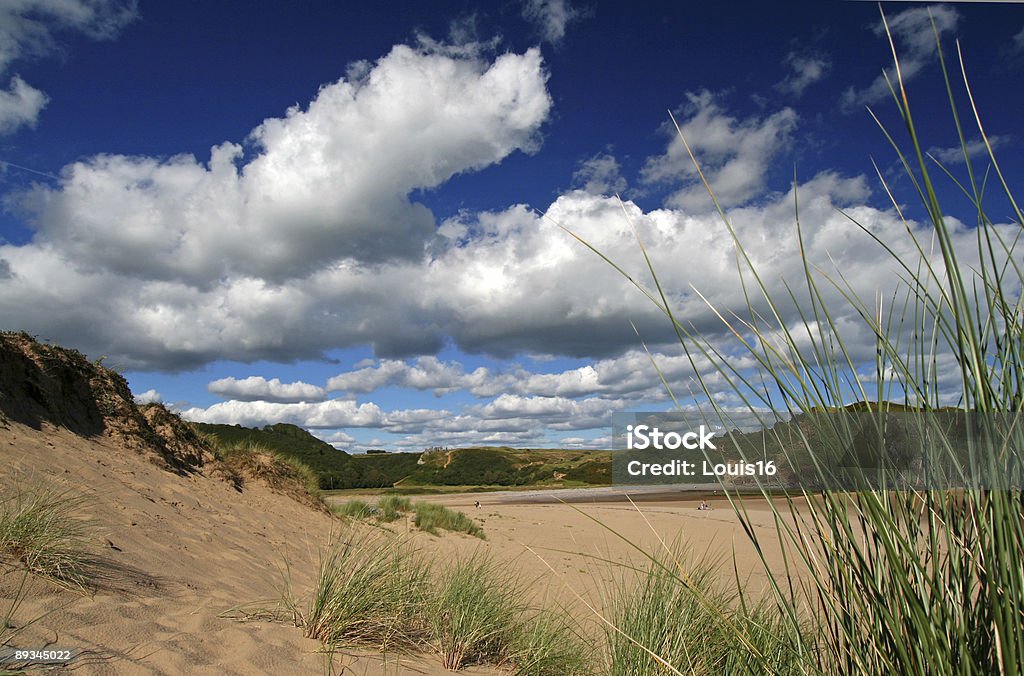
(288,440)
(376,470)
(503,466)
(478,466)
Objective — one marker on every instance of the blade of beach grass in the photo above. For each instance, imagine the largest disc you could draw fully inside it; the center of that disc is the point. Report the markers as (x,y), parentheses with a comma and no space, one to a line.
(604,619)
(654,363)
(914,581)
(679,574)
(984,136)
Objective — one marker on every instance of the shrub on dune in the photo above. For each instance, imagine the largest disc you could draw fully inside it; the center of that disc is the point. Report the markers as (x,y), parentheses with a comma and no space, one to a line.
(430,517)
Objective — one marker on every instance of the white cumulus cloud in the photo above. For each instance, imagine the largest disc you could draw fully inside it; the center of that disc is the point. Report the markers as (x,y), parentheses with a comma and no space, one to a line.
(20,105)
(259,388)
(504,282)
(632,375)
(149,397)
(192,256)
(334,413)
(600,175)
(328,183)
(974,148)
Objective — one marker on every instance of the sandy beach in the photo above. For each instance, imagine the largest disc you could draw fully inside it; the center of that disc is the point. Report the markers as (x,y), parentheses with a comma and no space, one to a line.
(574,541)
(189,548)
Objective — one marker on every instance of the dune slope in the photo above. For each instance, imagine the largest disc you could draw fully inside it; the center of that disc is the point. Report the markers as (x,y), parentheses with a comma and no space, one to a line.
(178,545)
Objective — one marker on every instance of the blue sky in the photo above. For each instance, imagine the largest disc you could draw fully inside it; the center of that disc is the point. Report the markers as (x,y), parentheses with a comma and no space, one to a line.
(343,216)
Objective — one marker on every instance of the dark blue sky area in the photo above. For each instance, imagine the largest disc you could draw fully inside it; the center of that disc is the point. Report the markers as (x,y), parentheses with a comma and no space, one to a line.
(311,286)
(186,76)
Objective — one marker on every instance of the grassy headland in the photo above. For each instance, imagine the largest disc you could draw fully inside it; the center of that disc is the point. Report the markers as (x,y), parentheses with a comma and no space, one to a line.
(498,467)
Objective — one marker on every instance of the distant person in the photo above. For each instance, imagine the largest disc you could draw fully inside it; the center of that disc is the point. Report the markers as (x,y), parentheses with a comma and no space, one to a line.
(477,504)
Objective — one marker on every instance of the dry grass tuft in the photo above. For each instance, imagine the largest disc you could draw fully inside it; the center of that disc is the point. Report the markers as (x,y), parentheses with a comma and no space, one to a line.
(41,530)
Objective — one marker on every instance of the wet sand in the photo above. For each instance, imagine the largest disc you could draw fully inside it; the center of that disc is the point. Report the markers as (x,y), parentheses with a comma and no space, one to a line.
(667,494)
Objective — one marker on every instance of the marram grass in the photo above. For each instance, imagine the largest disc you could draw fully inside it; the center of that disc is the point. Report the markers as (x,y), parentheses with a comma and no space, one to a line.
(356,509)
(472,613)
(249,459)
(909,581)
(375,590)
(392,507)
(479,613)
(427,516)
(431,516)
(677,615)
(41,531)
(369,591)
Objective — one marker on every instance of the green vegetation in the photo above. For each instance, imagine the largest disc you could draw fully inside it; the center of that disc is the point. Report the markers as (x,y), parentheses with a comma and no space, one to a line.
(428,517)
(357,509)
(499,467)
(678,615)
(337,470)
(597,472)
(374,590)
(477,615)
(287,441)
(391,508)
(282,473)
(473,612)
(502,466)
(40,529)
(379,470)
(481,466)
(480,615)
(369,591)
(545,643)
(42,533)
(909,581)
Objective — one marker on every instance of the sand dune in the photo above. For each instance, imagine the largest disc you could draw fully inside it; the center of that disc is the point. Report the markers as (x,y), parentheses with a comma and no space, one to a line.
(179,545)
(194,546)
(191,546)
